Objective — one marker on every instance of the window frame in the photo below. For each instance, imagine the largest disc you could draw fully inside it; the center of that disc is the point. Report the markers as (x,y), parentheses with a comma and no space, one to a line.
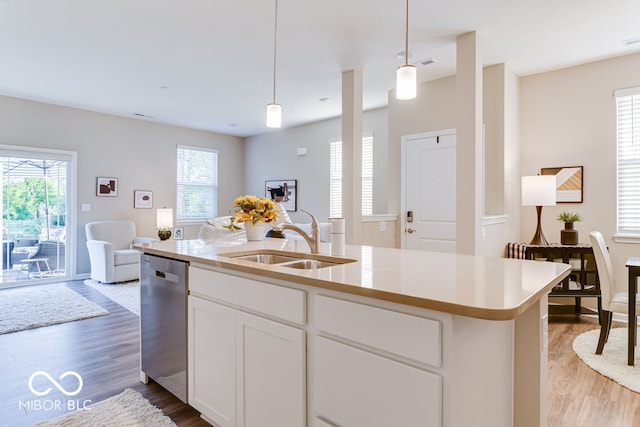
(213,184)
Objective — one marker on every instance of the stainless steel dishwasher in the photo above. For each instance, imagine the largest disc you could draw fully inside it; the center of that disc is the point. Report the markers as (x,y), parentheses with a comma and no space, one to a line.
(163,323)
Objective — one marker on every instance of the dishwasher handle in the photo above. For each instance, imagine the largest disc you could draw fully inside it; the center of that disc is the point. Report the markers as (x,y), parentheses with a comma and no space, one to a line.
(170,277)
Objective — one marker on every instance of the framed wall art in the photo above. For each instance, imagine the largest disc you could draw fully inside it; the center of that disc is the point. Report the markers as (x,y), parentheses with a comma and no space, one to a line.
(283,191)
(569,183)
(106,187)
(178,233)
(142,199)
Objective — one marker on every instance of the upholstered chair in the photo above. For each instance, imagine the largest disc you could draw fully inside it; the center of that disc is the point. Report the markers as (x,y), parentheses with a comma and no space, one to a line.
(614,300)
(111,250)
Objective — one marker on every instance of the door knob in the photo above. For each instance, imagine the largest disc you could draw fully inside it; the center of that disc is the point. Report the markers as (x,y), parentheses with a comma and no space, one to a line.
(410,230)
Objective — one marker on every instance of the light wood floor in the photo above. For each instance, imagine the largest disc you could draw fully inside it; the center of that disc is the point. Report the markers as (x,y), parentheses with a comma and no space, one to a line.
(105,351)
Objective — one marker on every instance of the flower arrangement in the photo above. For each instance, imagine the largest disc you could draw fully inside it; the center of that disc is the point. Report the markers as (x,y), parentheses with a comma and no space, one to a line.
(254,209)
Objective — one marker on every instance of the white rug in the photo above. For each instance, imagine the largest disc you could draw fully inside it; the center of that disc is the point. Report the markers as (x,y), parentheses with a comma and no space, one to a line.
(35,306)
(129,408)
(612,363)
(126,294)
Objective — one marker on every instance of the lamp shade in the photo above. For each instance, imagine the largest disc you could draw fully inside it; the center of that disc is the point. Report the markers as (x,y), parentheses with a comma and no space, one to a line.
(274,115)
(406,82)
(164,218)
(539,190)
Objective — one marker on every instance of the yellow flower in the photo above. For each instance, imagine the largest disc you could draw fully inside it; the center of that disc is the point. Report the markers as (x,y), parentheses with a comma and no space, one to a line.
(254,209)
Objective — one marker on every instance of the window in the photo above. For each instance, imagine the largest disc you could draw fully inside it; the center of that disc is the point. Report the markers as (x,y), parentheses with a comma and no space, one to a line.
(628,157)
(367,175)
(197,184)
(335,177)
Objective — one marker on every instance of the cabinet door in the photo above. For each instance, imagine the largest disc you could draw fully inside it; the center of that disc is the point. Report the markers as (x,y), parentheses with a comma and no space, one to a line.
(212,358)
(271,373)
(355,388)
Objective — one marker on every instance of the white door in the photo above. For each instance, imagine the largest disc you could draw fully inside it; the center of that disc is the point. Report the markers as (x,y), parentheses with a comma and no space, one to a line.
(429,192)
(271,368)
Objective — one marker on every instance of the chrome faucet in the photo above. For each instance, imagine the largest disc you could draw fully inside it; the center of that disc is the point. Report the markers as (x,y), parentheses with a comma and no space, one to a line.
(312,239)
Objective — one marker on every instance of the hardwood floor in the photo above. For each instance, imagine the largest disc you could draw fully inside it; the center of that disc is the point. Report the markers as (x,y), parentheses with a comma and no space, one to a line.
(105,351)
(579,396)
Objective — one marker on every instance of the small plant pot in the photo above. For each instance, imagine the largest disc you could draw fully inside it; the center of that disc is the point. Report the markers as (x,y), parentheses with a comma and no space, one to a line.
(568,236)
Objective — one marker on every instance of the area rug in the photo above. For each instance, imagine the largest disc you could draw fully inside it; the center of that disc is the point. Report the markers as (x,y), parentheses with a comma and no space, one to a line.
(126,294)
(128,408)
(36,306)
(612,363)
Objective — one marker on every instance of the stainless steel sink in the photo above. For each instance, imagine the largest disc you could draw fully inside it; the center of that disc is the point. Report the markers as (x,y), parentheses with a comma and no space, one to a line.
(267,258)
(289,259)
(308,264)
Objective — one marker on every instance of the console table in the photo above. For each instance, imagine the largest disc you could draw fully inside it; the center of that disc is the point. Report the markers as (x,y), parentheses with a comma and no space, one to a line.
(583,280)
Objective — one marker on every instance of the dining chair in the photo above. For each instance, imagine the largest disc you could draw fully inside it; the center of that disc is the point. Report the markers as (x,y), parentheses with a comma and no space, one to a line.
(614,300)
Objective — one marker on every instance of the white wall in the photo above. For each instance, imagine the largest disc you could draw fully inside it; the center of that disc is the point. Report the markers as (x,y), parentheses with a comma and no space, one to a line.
(435,109)
(568,119)
(272,156)
(141,154)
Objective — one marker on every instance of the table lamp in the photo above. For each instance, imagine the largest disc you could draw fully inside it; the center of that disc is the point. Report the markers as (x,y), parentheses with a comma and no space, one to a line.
(164,221)
(539,191)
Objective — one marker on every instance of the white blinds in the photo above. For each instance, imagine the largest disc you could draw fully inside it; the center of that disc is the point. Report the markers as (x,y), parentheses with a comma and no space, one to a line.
(628,156)
(367,175)
(335,179)
(197,184)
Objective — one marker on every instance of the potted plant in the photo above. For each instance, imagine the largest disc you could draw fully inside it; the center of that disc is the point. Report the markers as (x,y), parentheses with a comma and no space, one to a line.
(569,236)
(254,212)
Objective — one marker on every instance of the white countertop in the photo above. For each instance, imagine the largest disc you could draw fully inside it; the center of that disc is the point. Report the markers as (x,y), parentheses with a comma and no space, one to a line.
(474,286)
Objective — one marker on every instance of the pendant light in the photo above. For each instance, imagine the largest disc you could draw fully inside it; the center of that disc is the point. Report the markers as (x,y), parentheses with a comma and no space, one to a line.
(274,111)
(406,75)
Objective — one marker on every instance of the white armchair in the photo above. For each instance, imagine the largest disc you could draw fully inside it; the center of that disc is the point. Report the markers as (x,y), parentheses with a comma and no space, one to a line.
(111,253)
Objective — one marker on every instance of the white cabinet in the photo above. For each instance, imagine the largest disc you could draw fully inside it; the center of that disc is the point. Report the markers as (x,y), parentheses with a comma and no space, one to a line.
(362,372)
(212,360)
(244,369)
(358,388)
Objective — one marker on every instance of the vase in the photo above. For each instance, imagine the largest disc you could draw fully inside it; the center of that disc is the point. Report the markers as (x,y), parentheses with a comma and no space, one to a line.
(255,231)
(568,236)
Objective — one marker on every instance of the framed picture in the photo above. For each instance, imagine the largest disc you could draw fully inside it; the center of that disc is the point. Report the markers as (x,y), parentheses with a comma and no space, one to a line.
(106,187)
(283,191)
(569,183)
(178,233)
(142,199)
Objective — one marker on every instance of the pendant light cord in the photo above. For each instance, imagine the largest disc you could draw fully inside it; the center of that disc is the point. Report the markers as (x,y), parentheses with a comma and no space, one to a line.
(275,44)
(406,37)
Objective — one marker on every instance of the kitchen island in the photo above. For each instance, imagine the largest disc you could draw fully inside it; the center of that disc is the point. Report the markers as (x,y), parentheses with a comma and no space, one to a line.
(386,337)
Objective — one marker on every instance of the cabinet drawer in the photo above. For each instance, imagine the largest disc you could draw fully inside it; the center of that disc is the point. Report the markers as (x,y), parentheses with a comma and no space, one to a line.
(356,388)
(276,301)
(379,328)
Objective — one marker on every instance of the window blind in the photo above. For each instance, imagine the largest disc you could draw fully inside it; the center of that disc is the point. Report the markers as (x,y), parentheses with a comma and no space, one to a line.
(367,175)
(335,179)
(197,184)
(628,160)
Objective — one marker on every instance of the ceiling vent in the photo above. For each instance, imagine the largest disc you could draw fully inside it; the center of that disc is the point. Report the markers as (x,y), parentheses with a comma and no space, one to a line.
(632,42)
(425,62)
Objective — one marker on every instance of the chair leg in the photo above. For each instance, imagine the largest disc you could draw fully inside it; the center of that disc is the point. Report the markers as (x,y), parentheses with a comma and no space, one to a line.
(605,327)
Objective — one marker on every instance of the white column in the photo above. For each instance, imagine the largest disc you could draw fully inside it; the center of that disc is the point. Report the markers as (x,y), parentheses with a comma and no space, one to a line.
(469,189)
(352,154)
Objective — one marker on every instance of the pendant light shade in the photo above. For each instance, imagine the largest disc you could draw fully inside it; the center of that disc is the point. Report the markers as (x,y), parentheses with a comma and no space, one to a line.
(274,110)
(407,75)
(274,115)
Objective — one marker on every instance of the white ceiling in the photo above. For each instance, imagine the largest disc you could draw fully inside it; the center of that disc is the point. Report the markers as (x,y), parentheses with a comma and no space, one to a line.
(208,64)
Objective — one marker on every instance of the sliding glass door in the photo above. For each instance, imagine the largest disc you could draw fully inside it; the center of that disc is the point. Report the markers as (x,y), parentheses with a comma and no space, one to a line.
(35,199)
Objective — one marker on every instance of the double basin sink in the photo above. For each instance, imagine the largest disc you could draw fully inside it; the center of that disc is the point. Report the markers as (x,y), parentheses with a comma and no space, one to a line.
(289,259)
